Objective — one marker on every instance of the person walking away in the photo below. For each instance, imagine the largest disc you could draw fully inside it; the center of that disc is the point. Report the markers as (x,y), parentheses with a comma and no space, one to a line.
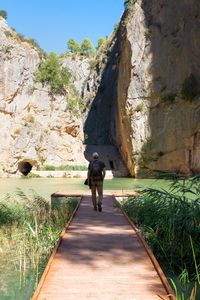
(96,174)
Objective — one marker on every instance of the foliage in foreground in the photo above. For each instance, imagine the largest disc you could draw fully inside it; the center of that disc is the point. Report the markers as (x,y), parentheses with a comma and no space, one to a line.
(170,222)
(29,229)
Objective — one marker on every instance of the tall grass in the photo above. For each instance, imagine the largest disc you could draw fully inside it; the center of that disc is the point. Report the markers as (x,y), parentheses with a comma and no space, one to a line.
(170,222)
(29,229)
(63,168)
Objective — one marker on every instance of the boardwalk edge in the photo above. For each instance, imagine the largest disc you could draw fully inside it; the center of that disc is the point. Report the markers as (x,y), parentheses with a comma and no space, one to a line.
(170,293)
(46,270)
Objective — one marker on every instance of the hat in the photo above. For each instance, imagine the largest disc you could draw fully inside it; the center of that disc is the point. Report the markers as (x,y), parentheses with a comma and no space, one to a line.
(95,155)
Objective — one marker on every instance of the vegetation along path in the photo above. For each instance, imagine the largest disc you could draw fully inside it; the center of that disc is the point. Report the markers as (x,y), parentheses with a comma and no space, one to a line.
(101,256)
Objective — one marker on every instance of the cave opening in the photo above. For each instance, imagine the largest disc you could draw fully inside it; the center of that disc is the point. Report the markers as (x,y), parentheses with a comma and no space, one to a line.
(24,167)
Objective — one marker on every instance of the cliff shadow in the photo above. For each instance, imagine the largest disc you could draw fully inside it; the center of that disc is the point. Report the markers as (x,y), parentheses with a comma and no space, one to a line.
(100,127)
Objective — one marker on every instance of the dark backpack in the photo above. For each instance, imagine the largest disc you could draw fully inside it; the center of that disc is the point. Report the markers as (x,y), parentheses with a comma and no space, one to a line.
(96,169)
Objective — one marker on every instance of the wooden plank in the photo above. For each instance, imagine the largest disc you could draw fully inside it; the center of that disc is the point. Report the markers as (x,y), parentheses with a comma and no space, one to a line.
(101,257)
(160,272)
(78,193)
(64,231)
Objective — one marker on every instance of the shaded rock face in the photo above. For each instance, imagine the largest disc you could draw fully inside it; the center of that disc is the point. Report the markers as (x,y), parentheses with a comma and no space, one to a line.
(158,125)
(36,127)
(145,103)
(101,119)
(101,116)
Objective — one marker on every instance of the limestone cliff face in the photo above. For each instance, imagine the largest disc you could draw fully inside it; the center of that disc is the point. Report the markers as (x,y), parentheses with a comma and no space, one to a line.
(79,68)
(143,96)
(158,86)
(35,126)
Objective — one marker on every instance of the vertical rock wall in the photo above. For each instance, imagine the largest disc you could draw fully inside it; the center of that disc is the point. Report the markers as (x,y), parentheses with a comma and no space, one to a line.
(158,102)
(36,126)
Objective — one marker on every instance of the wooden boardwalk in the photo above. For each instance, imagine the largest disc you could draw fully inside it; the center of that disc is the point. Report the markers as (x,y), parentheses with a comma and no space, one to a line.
(101,257)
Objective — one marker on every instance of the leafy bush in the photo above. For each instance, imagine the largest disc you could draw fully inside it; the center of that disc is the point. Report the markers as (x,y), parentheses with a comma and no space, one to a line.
(170,222)
(30,119)
(12,33)
(51,72)
(140,107)
(101,41)
(3,14)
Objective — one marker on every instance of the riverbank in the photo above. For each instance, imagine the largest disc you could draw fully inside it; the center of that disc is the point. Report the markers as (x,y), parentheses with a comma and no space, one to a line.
(54,174)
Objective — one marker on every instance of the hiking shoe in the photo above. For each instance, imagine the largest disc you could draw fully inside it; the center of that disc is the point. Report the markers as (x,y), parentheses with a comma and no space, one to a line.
(99,207)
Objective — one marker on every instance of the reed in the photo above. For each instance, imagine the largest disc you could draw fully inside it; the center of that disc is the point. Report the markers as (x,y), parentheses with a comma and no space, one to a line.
(170,222)
(29,229)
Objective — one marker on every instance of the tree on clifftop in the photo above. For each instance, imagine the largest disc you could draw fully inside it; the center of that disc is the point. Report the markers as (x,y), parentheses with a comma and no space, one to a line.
(100,42)
(73,46)
(3,14)
(86,47)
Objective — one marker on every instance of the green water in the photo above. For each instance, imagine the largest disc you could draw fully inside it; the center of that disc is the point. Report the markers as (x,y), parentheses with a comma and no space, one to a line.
(46,186)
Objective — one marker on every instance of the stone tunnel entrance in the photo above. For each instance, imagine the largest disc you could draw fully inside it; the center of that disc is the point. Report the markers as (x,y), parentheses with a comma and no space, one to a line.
(25,167)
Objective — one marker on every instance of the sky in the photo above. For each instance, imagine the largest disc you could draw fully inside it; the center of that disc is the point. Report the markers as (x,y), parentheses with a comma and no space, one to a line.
(53,22)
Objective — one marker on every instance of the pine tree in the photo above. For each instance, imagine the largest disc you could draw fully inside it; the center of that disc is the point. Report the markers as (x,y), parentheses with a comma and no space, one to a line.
(100,42)
(73,46)
(3,14)
(86,47)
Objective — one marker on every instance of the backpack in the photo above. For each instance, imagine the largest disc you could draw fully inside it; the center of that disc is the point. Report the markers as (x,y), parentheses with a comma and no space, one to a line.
(96,169)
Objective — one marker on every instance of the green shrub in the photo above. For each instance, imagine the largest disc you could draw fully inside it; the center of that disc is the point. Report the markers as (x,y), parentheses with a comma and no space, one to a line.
(92,64)
(8,33)
(51,72)
(3,14)
(170,222)
(30,119)
(30,175)
(101,41)
(72,104)
(140,107)
(64,168)
(30,41)
(190,88)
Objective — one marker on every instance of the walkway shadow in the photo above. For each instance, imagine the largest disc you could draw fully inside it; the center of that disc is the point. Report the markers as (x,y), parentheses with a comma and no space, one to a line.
(105,244)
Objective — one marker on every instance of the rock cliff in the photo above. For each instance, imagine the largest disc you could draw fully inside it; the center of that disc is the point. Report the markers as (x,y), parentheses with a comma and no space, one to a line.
(36,126)
(148,97)
(158,91)
(142,96)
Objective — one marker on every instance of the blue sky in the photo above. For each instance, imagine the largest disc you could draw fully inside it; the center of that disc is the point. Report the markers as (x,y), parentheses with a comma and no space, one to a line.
(53,22)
